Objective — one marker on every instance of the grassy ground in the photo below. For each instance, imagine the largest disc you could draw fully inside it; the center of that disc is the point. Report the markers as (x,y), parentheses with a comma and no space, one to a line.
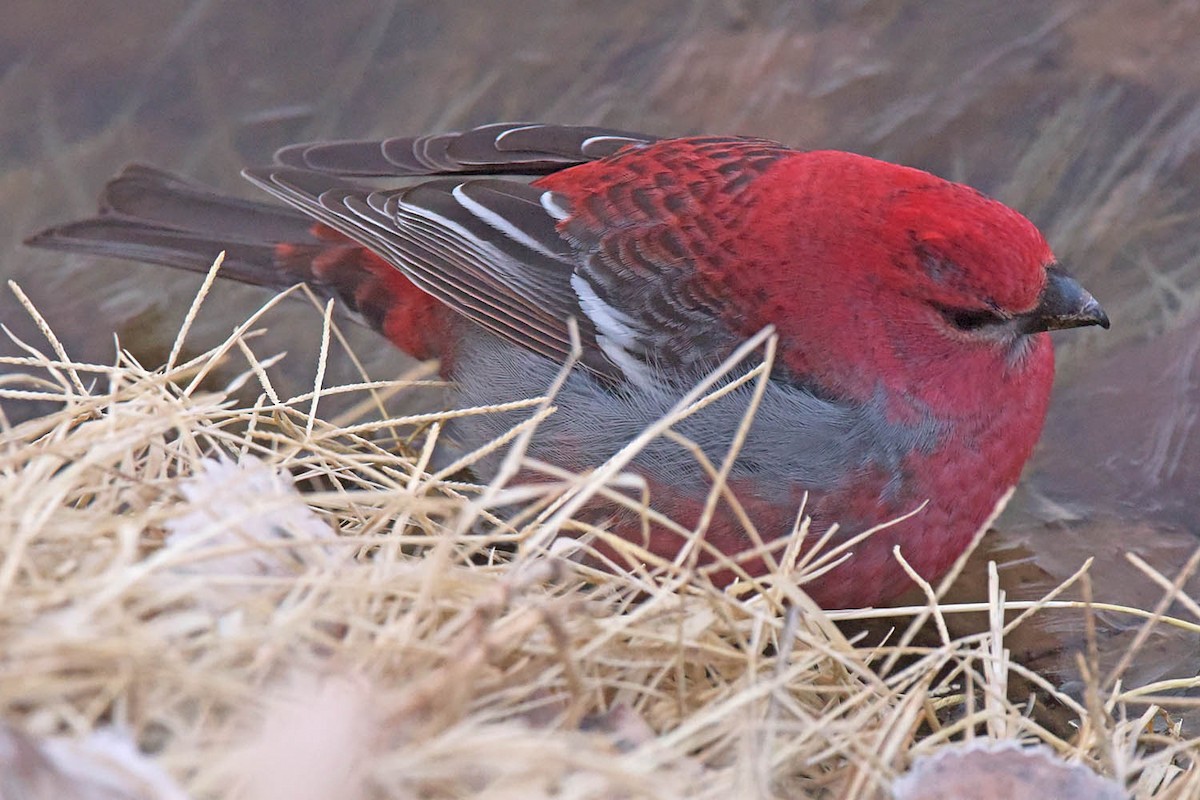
(178,619)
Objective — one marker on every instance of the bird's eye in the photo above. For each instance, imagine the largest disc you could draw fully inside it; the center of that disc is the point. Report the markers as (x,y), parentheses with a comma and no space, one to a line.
(971,319)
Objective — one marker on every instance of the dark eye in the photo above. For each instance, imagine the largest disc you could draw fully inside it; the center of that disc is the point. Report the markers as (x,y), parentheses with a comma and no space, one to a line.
(970,319)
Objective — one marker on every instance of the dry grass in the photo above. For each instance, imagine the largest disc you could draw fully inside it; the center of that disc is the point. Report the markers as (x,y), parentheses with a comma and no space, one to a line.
(163,583)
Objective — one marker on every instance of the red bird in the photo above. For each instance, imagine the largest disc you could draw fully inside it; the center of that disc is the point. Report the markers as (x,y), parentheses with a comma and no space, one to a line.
(913,362)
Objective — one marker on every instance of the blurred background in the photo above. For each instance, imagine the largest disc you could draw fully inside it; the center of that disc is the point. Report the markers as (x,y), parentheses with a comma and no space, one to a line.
(1083,115)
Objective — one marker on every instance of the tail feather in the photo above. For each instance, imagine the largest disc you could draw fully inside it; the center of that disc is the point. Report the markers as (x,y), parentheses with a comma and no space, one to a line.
(156,217)
(151,195)
(153,216)
(114,237)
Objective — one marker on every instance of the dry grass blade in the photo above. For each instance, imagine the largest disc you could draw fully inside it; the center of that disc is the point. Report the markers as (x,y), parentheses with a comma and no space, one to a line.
(373,636)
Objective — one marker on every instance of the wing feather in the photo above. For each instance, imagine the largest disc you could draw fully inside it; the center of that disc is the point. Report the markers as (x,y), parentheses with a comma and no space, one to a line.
(502,148)
(621,250)
(517,286)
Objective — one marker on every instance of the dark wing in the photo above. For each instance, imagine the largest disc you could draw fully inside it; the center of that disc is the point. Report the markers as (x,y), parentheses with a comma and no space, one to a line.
(484,247)
(149,215)
(512,148)
(488,248)
(615,247)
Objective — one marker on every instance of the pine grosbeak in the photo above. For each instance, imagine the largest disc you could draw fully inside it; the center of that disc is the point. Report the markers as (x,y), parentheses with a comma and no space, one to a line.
(913,362)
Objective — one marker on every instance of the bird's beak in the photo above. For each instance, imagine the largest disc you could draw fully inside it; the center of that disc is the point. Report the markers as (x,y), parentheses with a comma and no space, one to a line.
(1064,303)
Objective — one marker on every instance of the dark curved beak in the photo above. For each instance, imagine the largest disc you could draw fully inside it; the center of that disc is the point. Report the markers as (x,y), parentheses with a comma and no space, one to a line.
(1064,303)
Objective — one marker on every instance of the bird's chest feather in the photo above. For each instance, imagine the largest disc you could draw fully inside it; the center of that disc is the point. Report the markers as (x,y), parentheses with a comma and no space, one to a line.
(796,441)
(856,464)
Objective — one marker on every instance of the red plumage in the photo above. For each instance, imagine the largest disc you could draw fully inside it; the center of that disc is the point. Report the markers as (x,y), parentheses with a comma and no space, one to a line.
(913,361)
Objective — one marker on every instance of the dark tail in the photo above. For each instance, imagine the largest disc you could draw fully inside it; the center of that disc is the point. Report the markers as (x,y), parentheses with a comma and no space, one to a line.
(153,216)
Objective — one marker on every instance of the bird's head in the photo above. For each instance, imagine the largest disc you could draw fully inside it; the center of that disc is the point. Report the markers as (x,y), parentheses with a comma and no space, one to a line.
(874,269)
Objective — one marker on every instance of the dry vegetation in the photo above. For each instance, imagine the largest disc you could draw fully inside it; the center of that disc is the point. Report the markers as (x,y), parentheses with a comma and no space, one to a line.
(204,598)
